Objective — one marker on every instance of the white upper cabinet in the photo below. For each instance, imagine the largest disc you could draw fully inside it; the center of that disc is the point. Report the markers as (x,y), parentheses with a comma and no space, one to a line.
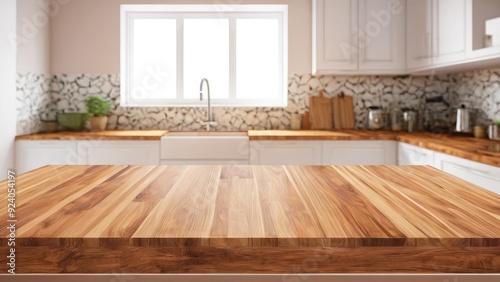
(450,31)
(404,36)
(484,26)
(437,33)
(381,40)
(359,36)
(334,24)
(418,34)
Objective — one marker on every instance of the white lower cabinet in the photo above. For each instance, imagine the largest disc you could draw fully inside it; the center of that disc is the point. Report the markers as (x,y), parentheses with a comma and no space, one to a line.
(119,152)
(482,175)
(323,152)
(372,152)
(285,153)
(31,154)
(414,155)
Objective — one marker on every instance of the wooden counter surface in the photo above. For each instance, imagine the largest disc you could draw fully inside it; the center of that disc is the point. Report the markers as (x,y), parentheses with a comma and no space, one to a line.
(320,135)
(101,135)
(252,219)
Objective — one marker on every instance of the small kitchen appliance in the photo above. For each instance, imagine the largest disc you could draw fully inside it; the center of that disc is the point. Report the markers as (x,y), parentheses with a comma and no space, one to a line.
(436,115)
(494,132)
(462,120)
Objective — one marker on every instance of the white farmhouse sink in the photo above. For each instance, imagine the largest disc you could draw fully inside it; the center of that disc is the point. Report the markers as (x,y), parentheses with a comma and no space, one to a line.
(201,147)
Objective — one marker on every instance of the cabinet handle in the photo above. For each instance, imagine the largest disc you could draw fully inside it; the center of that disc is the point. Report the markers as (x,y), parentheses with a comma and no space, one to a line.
(428,44)
(419,153)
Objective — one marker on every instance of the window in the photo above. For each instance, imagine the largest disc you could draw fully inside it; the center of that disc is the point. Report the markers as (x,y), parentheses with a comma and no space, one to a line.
(166,50)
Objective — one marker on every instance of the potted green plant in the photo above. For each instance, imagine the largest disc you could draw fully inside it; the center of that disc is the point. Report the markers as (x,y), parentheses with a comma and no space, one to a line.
(98,109)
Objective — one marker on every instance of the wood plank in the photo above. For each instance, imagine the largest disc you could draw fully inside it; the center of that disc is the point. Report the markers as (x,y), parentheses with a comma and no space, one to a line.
(348,113)
(188,209)
(320,109)
(337,204)
(257,260)
(233,218)
(337,113)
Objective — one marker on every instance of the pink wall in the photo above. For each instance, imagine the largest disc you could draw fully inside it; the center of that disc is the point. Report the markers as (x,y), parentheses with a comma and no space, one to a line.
(85,35)
(33,34)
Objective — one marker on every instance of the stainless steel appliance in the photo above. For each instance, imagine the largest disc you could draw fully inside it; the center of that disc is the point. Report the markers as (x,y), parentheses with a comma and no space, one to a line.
(462,120)
(494,131)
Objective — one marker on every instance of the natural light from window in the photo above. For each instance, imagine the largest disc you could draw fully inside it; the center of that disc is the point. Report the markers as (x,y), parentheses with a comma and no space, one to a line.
(258,60)
(206,49)
(167,49)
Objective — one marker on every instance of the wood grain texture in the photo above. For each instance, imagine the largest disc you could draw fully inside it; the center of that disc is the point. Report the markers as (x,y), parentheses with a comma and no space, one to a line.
(337,113)
(343,112)
(320,112)
(234,218)
(286,260)
(101,135)
(321,135)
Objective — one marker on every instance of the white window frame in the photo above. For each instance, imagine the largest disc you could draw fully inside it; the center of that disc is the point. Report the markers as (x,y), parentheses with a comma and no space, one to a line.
(179,12)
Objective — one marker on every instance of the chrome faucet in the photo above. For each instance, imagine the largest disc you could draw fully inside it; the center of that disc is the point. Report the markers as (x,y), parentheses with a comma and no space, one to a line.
(209,122)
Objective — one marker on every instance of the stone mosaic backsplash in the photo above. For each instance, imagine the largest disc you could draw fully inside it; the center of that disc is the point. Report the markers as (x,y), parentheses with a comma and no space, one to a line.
(41,97)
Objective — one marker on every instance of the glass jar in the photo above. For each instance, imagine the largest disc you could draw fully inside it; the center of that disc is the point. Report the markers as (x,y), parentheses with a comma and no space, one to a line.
(396,120)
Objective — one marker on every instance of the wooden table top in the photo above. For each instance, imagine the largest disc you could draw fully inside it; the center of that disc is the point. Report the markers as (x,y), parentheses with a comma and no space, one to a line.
(329,206)
(101,135)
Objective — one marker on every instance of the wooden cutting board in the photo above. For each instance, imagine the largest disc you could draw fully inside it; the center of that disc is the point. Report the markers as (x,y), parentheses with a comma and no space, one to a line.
(320,112)
(343,112)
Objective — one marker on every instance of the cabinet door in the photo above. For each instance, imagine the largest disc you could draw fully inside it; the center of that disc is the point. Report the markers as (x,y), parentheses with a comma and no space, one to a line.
(334,36)
(285,152)
(359,152)
(31,154)
(450,31)
(382,35)
(413,155)
(482,175)
(418,34)
(105,152)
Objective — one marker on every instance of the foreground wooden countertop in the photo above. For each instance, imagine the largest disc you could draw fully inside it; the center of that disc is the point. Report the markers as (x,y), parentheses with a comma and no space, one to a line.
(100,135)
(252,219)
